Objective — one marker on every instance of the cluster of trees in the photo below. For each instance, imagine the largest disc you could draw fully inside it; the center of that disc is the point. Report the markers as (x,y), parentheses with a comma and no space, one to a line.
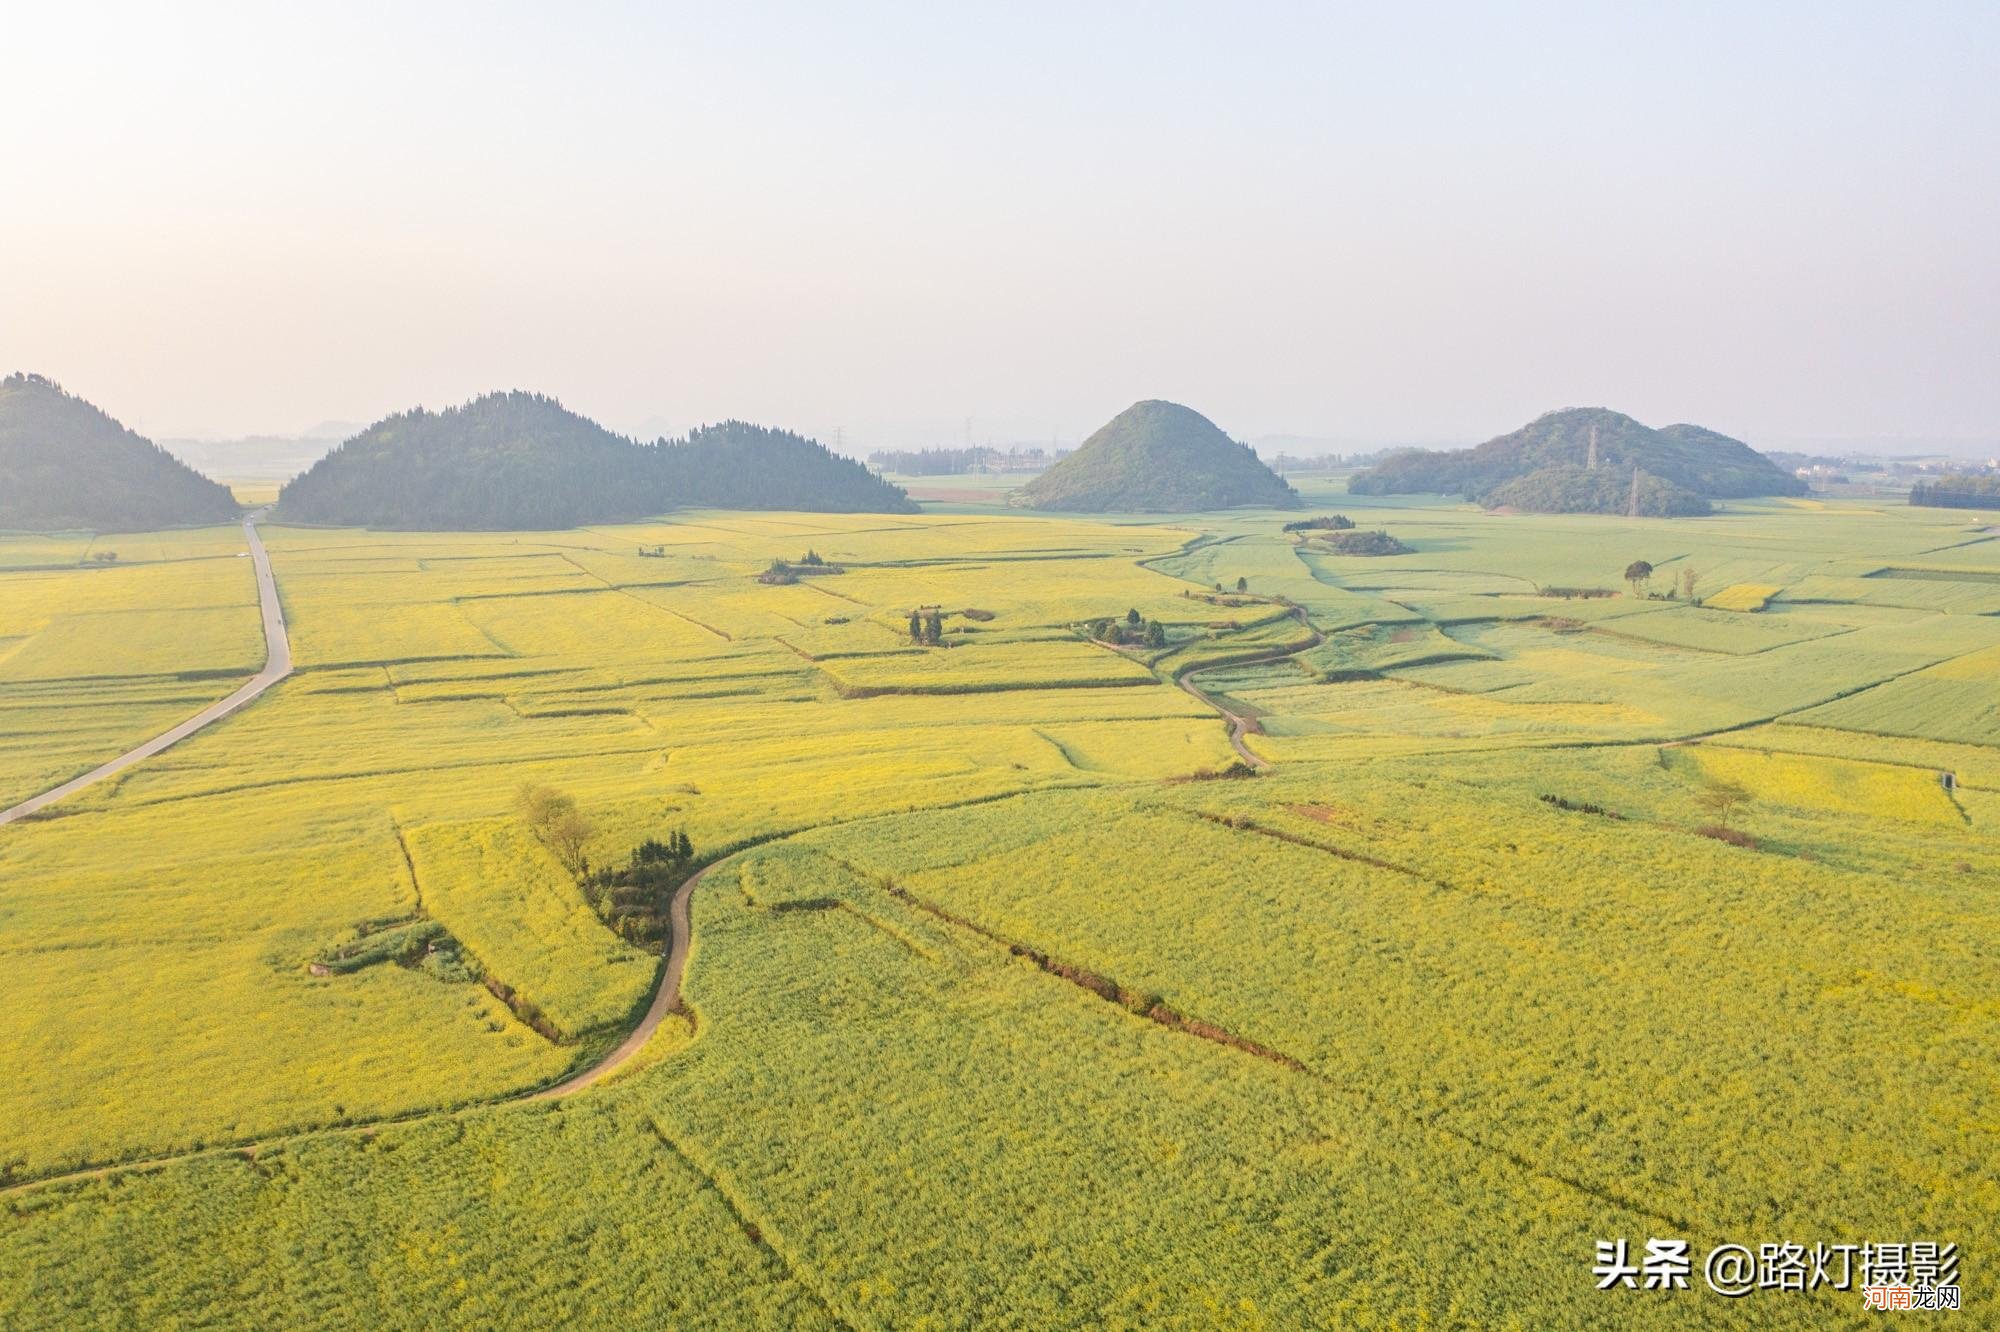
(522,460)
(1326,522)
(1972,491)
(633,899)
(1639,574)
(1134,630)
(1364,543)
(927,627)
(810,565)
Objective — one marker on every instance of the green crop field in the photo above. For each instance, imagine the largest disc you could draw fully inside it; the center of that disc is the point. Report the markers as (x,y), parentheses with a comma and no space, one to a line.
(1360,957)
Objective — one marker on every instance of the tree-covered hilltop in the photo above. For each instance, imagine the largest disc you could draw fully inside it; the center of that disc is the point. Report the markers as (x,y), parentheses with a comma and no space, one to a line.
(1576,489)
(1157,457)
(505,460)
(524,461)
(1581,460)
(736,465)
(65,464)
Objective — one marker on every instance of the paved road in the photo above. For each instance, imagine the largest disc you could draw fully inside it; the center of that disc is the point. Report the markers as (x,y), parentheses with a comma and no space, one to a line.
(277,665)
(666,999)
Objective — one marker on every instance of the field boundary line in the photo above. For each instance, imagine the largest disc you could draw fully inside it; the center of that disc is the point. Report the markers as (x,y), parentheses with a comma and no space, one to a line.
(1161,1013)
(624,591)
(755,1232)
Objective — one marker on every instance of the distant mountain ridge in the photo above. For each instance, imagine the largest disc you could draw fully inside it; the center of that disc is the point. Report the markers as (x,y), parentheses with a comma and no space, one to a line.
(66,464)
(1583,460)
(1157,457)
(523,461)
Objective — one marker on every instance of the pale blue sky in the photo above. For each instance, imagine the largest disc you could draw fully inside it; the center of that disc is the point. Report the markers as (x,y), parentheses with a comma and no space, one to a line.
(1387,222)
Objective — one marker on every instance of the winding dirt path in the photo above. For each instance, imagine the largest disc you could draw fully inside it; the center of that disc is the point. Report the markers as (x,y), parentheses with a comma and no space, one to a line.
(1241,725)
(666,999)
(277,665)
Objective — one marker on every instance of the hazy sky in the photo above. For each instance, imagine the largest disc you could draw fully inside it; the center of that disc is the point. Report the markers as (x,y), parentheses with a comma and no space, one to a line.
(1393,222)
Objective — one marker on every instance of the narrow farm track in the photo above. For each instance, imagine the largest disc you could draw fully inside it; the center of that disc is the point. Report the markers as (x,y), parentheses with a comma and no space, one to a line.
(277,665)
(1241,724)
(666,998)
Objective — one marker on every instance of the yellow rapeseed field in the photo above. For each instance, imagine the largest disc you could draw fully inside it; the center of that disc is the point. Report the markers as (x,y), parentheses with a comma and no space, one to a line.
(1743,596)
(1131,1034)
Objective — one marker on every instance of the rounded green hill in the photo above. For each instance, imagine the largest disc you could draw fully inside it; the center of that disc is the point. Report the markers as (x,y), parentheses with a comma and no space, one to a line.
(524,461)
(1158,457)
(1584,460)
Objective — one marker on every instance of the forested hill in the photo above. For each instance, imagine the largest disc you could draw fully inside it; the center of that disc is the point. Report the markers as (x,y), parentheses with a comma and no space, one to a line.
(507,460)
(736,465)
(524,461)
(65,464)
(1157,457)
(1582,460)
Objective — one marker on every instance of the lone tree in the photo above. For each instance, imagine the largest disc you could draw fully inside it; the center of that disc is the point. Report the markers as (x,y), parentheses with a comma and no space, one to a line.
(916,627)
(1242,584)
(1638,573)
(1132,616)
(1723,799)
(554,818)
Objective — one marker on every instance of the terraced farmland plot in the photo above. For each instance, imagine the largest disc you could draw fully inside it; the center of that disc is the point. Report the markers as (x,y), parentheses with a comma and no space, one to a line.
(1709,630)
(1954,700)
(980,666)
(1883,790)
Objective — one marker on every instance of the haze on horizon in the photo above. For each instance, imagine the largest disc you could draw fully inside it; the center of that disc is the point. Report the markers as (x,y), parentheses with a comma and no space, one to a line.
(1354,222)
